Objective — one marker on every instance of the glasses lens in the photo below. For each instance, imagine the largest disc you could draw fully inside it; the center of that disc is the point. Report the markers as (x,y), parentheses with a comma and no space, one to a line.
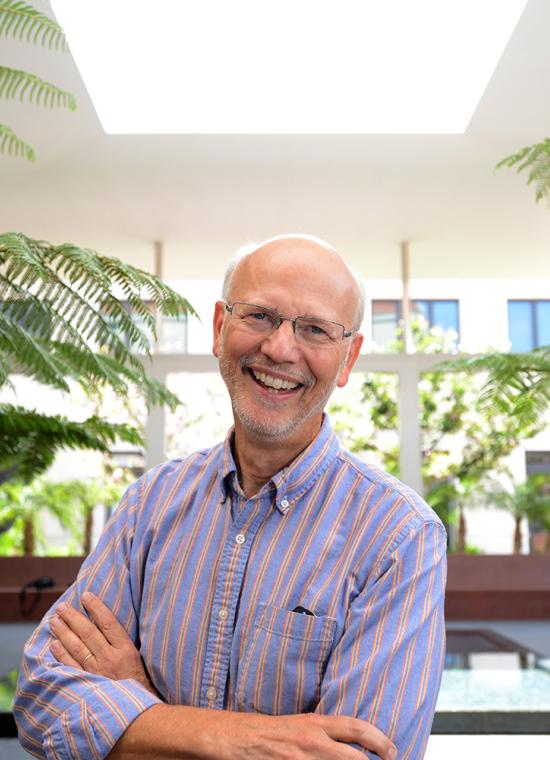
(255,318)
(318,332)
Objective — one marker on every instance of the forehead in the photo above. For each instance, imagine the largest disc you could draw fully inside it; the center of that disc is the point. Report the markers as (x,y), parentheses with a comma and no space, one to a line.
(296,278)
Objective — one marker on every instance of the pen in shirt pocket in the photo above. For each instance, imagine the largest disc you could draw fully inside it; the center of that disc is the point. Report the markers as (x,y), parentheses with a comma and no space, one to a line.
(302,611)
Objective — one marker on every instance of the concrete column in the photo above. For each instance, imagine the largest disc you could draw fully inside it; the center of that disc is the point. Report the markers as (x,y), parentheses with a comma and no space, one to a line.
(155,437)
(406,301)
(155,426)
(410,455)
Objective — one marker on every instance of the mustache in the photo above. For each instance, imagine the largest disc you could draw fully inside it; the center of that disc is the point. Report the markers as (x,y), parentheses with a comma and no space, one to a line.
(260,362)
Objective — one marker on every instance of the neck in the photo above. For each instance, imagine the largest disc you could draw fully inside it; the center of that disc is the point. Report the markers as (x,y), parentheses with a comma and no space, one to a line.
(258,459)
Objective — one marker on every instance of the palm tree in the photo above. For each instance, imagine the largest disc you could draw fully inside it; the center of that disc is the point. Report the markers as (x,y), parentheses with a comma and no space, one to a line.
(22,508)
(529,500)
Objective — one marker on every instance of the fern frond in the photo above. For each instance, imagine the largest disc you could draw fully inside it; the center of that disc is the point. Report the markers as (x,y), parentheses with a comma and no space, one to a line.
(13,145)
(29,441)
(16,83)
(21,21)
(58,313)
(516,384)
(536,159)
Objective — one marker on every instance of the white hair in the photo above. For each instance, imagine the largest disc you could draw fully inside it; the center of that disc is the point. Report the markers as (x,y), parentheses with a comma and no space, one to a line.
(248,248)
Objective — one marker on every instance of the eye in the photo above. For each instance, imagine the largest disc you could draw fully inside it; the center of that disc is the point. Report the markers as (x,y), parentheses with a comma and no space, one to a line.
(317,330)
(258,316)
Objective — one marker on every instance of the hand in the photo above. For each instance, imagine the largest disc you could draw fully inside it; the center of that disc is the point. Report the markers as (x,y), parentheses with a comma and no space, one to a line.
(300,737)
(199,734)
(102,646)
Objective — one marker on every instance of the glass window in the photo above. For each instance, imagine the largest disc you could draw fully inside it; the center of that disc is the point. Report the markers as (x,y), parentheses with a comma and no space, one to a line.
(444,315)
(542,321)
(528,324)
(387,314)
(537,461)
(173,339)
(385,321)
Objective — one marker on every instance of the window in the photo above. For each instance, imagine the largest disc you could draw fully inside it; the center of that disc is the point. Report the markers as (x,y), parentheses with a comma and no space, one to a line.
(386,316)
(528,324)
(537,461)
(172,332)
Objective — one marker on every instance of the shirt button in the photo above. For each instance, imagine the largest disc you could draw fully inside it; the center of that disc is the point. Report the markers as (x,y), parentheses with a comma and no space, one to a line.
(222,614)
(284,505)
(211,694)
(239,538)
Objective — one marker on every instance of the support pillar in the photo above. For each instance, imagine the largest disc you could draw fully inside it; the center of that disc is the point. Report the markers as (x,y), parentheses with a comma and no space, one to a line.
(410,454)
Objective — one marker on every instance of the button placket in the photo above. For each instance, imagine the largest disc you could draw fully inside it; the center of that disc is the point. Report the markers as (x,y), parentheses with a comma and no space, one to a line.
(220,634)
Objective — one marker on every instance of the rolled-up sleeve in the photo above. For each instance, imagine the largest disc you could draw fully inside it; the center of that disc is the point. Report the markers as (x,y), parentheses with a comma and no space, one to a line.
(387,666)
(63,712)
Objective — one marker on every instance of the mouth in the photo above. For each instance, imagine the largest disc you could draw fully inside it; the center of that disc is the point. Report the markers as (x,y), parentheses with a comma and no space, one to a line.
(274,385)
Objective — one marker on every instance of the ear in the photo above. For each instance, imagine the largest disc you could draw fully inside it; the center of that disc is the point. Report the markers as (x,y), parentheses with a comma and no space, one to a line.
(219,316)
(351,358)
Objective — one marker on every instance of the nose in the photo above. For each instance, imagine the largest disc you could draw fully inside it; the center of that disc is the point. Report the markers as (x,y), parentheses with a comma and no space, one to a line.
(281,345)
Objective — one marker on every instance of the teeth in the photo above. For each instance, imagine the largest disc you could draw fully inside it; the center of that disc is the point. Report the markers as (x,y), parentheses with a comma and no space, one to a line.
(274,382)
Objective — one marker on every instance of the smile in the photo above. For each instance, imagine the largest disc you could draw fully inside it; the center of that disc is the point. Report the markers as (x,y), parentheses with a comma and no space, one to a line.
(275,383)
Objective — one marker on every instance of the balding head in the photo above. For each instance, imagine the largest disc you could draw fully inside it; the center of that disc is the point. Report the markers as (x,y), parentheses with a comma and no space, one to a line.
(311,252)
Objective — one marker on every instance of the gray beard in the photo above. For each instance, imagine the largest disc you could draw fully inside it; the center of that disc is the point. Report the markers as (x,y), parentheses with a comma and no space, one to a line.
(272,431)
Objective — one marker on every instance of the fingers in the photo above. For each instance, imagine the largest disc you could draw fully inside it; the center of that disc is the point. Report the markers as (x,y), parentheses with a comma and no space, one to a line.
(346,729)
(71,647)
(62,656)
(105,620)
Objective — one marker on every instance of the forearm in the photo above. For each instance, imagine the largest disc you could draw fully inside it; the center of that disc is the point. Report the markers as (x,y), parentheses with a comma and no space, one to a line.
(163,731)
(190,733)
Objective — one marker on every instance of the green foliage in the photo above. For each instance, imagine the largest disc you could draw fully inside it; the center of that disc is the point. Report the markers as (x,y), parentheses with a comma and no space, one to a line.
(8,685)
(529,499)
(61,322)
(13,145)
(16,83)
(535,159)
(21,21)
(515,384)
(29,441)
(463,439)
(22,508)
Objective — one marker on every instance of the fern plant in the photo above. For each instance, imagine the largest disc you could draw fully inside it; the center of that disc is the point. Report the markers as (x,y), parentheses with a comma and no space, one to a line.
(535,159)
(63,318)
(516,384)
(22,21)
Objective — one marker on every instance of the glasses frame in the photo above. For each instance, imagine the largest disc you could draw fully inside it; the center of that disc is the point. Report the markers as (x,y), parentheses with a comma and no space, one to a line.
(280,319)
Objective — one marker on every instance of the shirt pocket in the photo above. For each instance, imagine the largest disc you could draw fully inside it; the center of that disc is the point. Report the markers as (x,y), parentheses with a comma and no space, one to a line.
(283,662)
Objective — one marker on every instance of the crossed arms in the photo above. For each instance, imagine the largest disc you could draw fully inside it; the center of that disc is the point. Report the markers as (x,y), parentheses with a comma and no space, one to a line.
(66,712)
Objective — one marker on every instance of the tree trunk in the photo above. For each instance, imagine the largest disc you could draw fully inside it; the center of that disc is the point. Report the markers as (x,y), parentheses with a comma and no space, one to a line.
(88,532)
(28,538)
(461,547)
(517,536)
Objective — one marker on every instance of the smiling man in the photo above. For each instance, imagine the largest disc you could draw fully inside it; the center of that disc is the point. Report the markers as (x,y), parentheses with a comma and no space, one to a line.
(273,597)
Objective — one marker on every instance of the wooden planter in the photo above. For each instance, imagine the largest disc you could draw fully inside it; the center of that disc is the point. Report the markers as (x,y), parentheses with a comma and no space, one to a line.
(479,587)
(21,603)
(498,587)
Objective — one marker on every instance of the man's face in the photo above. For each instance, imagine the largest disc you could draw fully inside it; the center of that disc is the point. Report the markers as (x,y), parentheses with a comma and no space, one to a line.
(297,278)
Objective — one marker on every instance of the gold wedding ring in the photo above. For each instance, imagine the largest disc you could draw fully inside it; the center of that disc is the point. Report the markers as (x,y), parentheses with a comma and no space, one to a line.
(86,658)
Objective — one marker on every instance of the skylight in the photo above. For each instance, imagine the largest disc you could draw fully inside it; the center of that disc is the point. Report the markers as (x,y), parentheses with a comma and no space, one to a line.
(287,66)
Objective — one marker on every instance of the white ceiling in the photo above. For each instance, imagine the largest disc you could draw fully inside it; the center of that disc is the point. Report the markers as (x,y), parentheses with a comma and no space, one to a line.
(203,196)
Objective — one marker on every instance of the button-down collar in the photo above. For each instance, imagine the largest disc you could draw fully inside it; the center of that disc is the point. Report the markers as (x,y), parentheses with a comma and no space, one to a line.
(293,481)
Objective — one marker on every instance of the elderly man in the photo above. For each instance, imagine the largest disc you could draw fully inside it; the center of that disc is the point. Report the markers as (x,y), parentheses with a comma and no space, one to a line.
(276,597)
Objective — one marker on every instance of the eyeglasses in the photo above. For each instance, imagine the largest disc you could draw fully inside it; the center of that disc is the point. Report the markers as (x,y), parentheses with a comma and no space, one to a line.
(308,330)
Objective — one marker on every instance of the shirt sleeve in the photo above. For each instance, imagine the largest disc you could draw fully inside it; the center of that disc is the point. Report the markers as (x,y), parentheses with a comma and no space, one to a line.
(63,712)
(387,666)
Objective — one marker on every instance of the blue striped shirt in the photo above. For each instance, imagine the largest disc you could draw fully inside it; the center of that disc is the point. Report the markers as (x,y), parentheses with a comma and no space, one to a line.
(207,583)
